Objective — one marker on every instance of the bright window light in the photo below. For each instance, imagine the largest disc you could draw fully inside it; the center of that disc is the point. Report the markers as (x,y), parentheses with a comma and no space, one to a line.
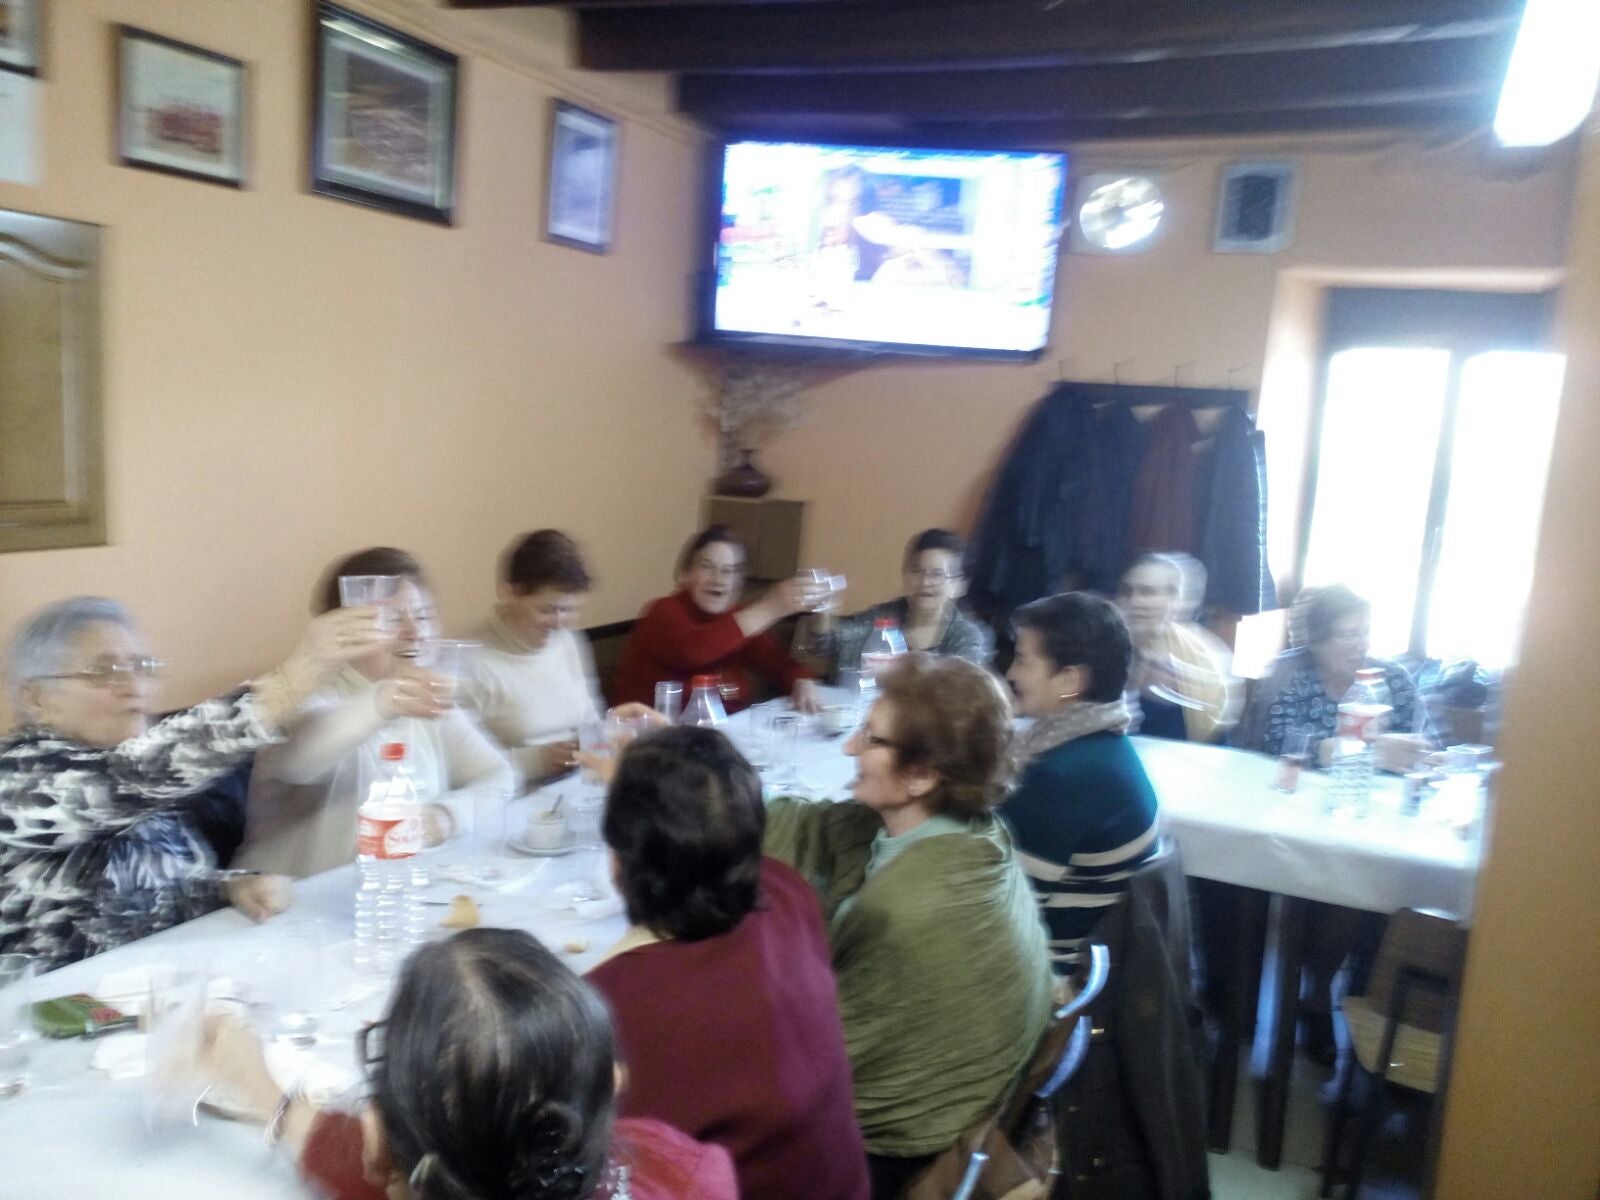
(1505,421)
(1555,65)
(1375,466)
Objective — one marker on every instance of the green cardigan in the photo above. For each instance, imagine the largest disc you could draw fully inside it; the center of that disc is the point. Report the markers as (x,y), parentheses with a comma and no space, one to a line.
(943,970)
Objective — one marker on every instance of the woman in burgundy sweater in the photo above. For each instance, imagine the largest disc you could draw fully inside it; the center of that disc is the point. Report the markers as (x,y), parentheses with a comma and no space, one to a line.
(492,1076)
(696,631)
(726,1012)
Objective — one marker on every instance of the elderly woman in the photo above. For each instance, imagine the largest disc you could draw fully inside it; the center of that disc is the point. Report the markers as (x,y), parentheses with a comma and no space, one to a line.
(304,793)
(927,614)
(944,977)
(1178,670)
(96,847)
(1301,695)
(1084,811)
(722,991)
(698,631)
(532,683)
(523,1105)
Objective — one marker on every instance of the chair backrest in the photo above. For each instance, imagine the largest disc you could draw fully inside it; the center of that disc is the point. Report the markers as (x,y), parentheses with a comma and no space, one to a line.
(1425,943)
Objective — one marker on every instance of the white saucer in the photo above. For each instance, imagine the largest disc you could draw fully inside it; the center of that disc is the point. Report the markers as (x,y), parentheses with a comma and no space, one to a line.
(522,847)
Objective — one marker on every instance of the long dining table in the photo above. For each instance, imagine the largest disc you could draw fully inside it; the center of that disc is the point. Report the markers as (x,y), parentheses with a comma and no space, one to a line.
(78,1130)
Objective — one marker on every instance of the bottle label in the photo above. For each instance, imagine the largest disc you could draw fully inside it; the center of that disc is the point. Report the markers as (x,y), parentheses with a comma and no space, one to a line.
(386,838)
(1363,722)
(875,664)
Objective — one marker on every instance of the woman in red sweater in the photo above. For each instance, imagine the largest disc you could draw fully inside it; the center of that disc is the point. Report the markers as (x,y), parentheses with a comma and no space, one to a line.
(697,631)
(723,996)
(491,1076)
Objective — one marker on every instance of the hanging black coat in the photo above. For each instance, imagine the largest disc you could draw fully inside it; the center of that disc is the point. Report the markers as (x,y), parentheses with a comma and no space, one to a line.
(1231,518)
(1045,525)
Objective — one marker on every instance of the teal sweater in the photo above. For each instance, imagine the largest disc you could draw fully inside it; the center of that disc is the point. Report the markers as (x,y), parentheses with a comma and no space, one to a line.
(1084,814)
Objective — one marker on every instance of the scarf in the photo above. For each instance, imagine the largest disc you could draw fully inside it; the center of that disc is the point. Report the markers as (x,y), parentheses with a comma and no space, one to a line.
(1074,722)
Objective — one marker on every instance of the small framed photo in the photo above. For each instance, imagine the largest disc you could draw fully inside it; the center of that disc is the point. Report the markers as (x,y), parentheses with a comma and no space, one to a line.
(20,24)
(581,201)
(384,124)
(180,109)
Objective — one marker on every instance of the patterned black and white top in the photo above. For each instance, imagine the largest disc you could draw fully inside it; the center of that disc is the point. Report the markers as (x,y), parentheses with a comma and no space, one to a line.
(1292,699)
(94,848)
(841,645)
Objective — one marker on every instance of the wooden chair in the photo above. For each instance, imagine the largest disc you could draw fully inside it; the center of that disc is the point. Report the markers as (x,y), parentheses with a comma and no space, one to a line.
(1400,1029)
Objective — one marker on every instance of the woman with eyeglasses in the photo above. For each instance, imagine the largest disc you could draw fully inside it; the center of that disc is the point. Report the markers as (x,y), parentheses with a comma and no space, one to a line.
(944,977)
(304,793)
(699,630)
(96,844)
(927,614)
(491,1077)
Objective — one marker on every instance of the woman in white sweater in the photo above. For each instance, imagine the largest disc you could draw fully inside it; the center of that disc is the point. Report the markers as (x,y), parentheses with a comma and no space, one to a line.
(533,681)
(304,792)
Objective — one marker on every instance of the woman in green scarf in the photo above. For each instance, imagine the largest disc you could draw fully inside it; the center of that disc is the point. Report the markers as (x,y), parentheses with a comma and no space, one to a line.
(943,969)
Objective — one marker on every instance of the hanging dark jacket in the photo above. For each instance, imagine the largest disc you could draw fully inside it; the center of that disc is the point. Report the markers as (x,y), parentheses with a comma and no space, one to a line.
(1163,516)
(1231,518)
(1044,526)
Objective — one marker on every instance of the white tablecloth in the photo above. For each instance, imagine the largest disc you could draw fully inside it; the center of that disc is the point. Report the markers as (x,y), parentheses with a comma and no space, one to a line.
(75,1132)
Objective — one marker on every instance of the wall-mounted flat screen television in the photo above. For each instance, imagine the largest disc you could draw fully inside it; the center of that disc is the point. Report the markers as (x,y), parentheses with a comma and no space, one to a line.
(868,248)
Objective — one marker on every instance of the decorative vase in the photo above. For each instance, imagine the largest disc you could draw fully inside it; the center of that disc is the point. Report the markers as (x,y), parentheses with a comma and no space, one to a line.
(743,479)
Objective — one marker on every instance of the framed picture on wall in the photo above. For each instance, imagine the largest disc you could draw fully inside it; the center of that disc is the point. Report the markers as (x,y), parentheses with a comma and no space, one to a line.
(384,117)
(580,203)
(20,24)
(180,109)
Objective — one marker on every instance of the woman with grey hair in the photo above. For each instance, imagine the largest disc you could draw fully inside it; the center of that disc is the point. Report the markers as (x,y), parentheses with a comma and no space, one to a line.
(95,845)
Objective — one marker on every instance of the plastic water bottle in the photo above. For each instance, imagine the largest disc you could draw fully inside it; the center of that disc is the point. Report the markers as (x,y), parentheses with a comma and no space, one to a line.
(389,919)
(1363,717)
(883,645)
(705,703)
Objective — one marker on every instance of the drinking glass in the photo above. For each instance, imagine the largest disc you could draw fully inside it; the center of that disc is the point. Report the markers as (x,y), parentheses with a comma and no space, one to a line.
(445,657)
(822,589)
(16,1021)
(1293,758)
(174,1082)
(594,737)
(669,699)
(785,747)
(378,591)
(489,808)
(584,815)
(301,972)
(757,742)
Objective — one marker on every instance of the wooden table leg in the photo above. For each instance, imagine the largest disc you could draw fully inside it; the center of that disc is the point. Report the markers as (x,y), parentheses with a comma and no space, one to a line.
(1285,1008)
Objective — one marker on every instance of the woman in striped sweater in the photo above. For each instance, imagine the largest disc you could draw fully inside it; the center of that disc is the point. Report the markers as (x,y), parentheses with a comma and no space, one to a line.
(1083,809)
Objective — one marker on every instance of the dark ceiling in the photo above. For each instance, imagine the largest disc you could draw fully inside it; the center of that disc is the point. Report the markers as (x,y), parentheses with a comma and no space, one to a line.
(1042,72)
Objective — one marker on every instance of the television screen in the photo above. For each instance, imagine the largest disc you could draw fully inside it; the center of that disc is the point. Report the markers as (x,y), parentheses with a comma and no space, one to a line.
(918,251)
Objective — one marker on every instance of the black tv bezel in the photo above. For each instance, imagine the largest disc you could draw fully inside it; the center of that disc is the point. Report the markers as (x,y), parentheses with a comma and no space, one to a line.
(707,336)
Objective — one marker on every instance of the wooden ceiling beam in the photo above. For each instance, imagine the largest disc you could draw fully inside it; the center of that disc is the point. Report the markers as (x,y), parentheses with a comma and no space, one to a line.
(876,34)
(1337,78)
(1054,133)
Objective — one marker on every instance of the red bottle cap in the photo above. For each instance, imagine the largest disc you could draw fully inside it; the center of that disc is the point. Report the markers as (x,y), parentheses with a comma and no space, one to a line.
(392,751)
(885,623)
(702,681)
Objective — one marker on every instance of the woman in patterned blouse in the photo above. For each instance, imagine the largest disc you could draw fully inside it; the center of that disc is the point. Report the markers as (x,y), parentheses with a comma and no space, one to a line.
(95,846)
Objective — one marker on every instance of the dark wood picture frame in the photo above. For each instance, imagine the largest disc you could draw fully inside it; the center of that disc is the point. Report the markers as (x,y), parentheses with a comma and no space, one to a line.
(566,223)
(414,65)
(32,48)
(129,36)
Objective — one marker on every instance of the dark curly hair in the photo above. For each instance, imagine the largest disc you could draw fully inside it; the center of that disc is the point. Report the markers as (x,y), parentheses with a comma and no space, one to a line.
(952,717)
(544,558)
(684,818)
(496,1077)
(1077,629)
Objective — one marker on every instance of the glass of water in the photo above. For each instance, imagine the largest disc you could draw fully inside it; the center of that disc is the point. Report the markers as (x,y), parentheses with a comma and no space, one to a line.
(378,591)
(669,700)
(785,743)
(301,977)
(16,1021)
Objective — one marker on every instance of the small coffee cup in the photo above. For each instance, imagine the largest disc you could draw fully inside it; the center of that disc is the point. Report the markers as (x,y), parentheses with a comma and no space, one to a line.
(547,831)
(838,718)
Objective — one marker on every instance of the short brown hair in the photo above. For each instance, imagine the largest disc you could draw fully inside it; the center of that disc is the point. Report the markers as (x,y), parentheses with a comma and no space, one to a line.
(544,558)
(374,560)
(952,717)
(711,535)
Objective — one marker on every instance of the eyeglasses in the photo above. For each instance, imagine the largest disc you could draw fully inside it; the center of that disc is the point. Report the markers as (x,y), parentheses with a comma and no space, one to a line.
(369,1047)
(932,576)
(872,739)
(106,674)
(717,571)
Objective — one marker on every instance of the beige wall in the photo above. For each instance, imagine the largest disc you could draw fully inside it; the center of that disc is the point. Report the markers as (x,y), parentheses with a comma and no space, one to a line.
(1524,1113)
(894,448)
(289,377)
